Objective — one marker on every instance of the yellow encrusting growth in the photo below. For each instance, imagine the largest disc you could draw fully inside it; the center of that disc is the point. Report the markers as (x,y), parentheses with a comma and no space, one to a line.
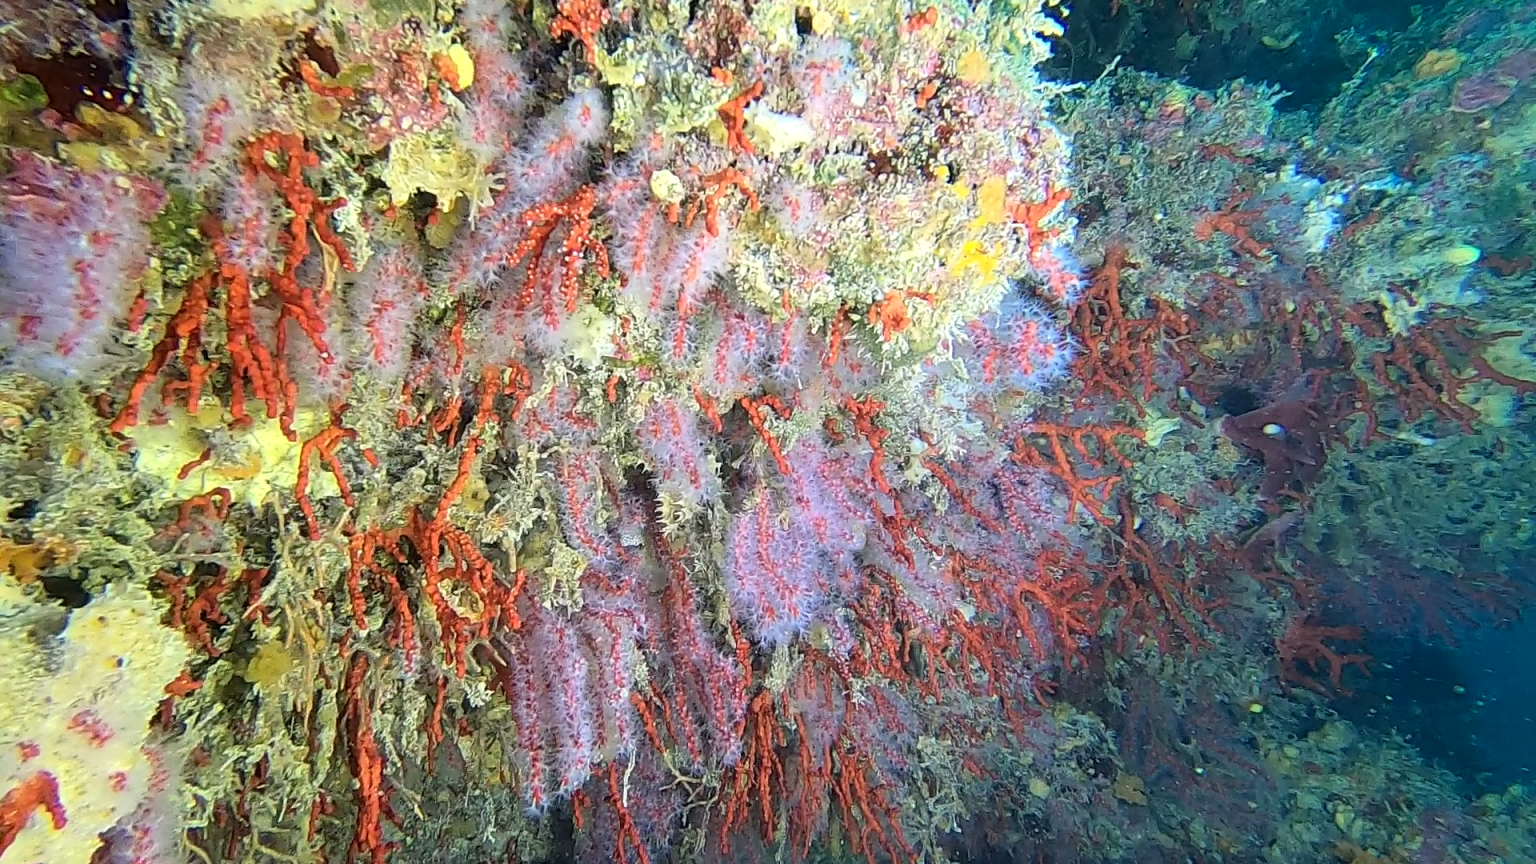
(457,68)
(250,462)
(991,202)
(77,706)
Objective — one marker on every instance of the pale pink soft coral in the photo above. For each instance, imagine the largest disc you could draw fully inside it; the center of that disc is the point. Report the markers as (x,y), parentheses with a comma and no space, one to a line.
(72,245)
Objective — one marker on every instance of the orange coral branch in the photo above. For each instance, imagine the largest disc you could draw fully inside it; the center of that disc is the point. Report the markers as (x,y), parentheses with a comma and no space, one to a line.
(733,115)
(1031,215)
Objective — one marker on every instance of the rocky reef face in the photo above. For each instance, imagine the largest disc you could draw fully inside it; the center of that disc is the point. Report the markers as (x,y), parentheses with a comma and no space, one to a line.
(573,431)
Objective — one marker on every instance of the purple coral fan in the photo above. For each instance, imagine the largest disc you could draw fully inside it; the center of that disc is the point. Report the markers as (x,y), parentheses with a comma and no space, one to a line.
(1482,92)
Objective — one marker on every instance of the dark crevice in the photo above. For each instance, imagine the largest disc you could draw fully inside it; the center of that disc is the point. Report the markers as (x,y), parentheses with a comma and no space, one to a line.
(1208,44)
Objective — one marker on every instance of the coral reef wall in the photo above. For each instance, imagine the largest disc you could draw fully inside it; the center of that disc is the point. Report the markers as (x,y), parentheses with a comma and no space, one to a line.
(579,431)
(599,412)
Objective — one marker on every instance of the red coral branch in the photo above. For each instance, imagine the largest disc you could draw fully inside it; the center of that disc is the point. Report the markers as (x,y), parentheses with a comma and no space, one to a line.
(367,765)
(449,556)
(39,791)
(1120,354)
(1303,651)
(715,187)
(255,362)
(760,768)
(540,224)
(580,19)
(1234,222)
(1423,368)
(323,444)
(864,412)
(754,407)
(1091,494)
(1137,568)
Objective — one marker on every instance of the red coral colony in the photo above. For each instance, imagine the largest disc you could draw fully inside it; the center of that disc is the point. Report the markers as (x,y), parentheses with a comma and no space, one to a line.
(630,431)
